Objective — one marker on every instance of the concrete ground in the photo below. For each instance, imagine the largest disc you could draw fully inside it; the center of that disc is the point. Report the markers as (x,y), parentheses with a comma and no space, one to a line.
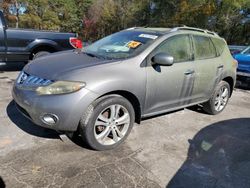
(184,149)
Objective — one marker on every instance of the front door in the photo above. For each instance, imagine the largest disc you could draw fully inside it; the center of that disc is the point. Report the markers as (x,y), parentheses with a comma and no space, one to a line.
(170,86)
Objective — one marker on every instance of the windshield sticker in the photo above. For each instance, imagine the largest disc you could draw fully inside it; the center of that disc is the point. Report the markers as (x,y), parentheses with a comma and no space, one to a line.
(133,44)
(148,36)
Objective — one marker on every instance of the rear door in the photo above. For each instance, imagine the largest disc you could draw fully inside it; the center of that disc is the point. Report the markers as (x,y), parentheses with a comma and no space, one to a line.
(169,87)
(3,47)
(207,67)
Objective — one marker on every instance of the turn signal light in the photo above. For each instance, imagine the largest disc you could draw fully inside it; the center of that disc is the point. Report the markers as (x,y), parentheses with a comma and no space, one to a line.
(76,43)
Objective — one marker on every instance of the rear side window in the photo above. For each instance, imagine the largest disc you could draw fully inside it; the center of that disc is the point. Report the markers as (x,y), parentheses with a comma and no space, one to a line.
(203,48)
(177,46)
(219,45)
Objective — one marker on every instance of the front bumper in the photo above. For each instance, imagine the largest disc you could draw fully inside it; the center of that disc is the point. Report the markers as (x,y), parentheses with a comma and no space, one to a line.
(68,108)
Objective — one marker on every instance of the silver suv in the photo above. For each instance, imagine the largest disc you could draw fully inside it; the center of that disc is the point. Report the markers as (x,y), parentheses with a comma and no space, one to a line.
(100,91)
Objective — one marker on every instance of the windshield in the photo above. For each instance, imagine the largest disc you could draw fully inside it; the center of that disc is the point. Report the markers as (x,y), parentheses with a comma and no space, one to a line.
(246,51)
(121,45)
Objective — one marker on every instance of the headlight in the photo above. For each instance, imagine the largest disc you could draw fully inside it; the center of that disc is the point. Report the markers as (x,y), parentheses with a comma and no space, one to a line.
(60,87)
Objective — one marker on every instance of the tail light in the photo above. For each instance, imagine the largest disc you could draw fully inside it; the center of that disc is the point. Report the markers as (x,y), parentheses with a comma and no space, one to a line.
(235,63)
(76,43)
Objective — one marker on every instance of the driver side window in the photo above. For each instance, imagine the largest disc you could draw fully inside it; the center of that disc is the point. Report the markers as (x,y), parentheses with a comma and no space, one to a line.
(177,46)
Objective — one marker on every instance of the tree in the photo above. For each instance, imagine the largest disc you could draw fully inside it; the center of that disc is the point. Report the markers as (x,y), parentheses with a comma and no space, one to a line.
(109,16)
(14,17)
(61,15)
(93,19)
(228,19)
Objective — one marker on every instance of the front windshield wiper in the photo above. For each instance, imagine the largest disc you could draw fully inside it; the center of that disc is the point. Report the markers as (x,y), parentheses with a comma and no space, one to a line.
(96,56)
(92,55)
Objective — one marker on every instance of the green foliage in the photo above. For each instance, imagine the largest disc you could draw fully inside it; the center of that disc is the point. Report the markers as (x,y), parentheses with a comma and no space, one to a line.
(60,15)
(93,19)
(51,15)
(224,17)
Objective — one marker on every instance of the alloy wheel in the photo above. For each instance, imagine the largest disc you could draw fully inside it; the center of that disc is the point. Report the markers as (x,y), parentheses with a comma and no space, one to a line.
(111,124)
(221,99)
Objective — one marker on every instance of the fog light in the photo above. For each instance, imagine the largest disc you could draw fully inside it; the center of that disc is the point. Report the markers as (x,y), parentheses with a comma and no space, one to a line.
(49,119)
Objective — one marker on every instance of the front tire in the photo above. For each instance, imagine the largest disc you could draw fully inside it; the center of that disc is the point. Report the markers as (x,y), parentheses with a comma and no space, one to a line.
(40,54)
(219,100)
(107,122)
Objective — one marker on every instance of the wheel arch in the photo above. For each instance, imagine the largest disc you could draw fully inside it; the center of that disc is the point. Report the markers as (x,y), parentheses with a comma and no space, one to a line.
(131,98)
(230,81)
(42,47)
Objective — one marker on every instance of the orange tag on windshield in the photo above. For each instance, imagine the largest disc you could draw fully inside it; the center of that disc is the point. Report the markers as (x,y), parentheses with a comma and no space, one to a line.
(133,44)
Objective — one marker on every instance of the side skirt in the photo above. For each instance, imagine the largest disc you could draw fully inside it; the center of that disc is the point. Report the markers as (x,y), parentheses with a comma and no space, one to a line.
(144,116)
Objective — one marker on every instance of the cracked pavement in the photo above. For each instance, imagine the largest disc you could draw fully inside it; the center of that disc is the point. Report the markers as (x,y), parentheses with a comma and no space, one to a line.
(158,153)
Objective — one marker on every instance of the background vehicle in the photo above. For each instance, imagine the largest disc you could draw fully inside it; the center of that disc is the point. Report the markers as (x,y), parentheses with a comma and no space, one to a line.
(236,49)
(243,72)
(102,90)
(18,45)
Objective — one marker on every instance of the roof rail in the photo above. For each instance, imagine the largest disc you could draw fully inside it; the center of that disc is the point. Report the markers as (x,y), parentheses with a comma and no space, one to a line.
(193,29)
(132,28)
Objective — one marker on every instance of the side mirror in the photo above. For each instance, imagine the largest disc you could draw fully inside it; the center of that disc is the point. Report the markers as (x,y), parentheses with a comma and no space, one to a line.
(163,59)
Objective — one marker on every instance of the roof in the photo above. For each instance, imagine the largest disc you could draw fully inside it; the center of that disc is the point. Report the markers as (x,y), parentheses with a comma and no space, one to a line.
(158,30)
(163,31)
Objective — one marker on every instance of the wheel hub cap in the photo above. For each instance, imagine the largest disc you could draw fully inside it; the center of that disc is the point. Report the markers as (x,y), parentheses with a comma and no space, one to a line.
(221,99)
(112,124)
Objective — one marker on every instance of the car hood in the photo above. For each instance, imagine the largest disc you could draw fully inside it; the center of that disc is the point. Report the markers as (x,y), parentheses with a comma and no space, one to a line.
(244,62)
(58,64)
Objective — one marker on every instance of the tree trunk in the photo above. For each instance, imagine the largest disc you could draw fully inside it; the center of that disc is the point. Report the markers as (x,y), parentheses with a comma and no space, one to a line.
(17,13)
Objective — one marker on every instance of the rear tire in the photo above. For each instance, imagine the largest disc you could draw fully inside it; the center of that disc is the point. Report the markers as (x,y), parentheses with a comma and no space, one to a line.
(40,54)
(219,99)
(107,122)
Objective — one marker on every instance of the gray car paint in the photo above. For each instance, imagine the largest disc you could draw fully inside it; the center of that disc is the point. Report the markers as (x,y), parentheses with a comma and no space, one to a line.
(156,91)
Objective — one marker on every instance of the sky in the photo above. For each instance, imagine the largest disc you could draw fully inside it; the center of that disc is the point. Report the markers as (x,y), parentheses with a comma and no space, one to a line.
(22,8)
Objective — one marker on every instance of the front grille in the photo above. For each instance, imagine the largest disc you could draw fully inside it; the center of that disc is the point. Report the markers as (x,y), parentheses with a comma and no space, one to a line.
(26,80)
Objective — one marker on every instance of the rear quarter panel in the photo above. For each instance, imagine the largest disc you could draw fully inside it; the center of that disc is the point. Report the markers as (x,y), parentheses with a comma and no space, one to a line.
(229,67)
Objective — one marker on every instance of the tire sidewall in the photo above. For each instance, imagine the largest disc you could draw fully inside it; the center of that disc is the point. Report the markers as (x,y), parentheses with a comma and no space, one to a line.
(87,124)
(41,54)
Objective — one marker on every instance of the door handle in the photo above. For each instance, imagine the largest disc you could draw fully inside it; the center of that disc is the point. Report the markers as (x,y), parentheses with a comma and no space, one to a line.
(221,66)
(188,72)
